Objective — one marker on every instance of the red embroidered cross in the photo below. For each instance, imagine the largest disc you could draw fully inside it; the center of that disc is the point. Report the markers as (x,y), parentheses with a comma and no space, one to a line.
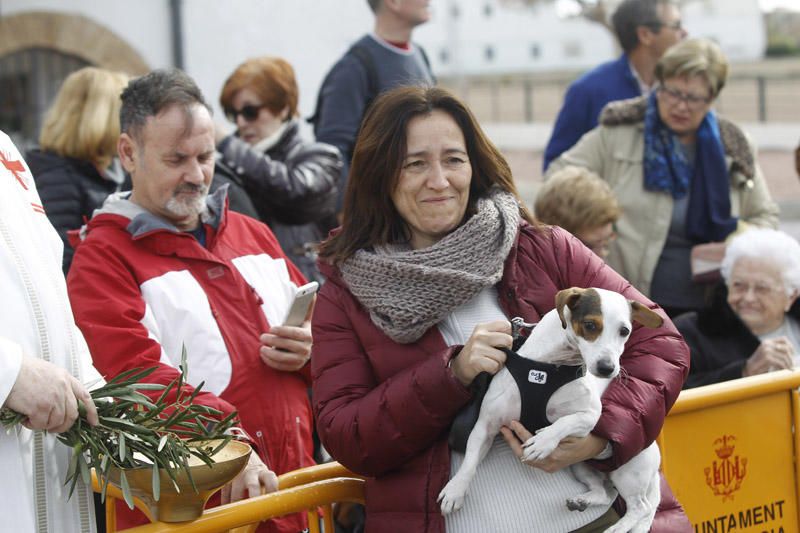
(14,167)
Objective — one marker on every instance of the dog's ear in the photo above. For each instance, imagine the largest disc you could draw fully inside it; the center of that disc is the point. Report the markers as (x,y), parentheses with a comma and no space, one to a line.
(567,297)
(645,316)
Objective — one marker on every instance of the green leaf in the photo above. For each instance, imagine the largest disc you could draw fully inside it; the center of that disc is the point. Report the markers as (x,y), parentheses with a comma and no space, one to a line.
(156,483)
(126,489)
(84,468)
(162,442)
(122,449)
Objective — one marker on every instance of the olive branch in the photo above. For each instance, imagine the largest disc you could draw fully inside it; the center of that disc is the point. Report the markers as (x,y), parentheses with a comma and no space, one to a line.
(135,432)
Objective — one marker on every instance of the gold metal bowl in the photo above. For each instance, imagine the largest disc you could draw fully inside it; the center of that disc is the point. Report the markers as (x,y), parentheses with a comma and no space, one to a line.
(173,506)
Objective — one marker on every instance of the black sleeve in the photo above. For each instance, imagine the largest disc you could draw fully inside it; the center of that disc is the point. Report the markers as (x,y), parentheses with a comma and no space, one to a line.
(343,99)
(62,199)
(714,359)
(299,190)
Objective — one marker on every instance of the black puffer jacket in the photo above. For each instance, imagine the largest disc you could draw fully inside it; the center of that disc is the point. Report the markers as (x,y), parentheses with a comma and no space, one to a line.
(719,341)
(293,187)
(70,189)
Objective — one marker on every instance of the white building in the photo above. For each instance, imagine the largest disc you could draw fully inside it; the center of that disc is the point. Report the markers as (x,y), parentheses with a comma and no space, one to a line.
(41,41)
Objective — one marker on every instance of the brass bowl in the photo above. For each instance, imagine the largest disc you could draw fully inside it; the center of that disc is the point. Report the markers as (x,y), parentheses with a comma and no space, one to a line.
(173,506)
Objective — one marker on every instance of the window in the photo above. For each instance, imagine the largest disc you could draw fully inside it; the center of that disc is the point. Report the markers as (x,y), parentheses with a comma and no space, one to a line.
(488,53)
(444,55)
(487,10)
(29,81)
(535,51)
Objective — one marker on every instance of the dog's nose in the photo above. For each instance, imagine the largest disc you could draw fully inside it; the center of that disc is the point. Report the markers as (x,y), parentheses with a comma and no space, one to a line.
(604,368)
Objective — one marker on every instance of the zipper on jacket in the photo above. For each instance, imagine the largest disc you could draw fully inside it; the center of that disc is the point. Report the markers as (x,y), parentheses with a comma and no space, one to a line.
(300,447)
(262,447)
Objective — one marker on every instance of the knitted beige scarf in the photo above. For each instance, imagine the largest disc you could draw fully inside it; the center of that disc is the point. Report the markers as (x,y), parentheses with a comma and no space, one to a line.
(407,291)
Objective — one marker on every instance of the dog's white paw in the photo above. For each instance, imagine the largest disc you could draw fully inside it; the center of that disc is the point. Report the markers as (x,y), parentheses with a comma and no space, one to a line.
(451,499)
(539,446)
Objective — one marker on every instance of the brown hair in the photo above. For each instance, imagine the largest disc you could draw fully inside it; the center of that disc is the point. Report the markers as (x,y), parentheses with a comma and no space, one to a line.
(369,216)
(271,78)
(576,199)
(83,122)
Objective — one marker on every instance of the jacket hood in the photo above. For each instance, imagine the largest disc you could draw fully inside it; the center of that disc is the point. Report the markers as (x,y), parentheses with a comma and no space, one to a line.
(734,141)
(139,221)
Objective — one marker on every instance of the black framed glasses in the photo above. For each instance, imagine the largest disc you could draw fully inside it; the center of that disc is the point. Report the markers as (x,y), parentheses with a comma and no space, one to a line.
(674,96)
(249,112)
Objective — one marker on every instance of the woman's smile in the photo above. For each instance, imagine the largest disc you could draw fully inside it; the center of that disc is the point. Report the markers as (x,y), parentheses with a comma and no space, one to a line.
(432,191)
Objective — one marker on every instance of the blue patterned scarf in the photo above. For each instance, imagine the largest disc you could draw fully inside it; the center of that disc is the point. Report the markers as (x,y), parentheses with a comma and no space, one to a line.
(667,169)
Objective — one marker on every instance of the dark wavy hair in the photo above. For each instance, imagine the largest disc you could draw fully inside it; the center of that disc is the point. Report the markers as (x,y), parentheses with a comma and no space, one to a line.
(370,217)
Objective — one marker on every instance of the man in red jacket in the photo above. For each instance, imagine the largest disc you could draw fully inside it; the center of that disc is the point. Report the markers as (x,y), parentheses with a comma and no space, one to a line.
(167,266)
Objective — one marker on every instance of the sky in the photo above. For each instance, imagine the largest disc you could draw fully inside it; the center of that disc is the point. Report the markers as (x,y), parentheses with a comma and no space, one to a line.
(769,5)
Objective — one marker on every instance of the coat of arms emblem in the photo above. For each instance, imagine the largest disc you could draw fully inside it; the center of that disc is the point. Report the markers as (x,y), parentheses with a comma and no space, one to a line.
(725,475)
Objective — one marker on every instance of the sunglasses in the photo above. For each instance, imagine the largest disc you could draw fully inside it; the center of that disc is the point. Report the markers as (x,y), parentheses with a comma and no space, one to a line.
(657,25)
(248,112)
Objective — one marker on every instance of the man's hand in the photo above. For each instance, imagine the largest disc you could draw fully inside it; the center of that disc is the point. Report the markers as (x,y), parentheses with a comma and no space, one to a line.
(771,354)
(48,395)
(287,348)
(481,353)
(569,451)
(256,479)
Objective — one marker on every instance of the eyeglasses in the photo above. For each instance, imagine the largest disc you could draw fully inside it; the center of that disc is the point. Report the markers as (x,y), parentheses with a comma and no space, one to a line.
(760,289)
(248,112)
(600,246)
(674,97)
(657,25)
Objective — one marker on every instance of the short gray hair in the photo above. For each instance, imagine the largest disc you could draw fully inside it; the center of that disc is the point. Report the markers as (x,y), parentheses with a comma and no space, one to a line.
(695,57)
(771,245)
(148,95)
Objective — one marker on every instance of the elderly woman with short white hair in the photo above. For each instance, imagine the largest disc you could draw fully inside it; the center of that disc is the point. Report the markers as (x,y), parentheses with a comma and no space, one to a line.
(753,324)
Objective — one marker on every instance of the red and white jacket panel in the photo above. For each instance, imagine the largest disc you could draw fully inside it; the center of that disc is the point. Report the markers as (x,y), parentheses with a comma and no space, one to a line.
(142,290)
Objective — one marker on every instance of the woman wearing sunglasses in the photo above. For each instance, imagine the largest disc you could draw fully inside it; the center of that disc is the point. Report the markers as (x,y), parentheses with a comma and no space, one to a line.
(291,180)
(682,175)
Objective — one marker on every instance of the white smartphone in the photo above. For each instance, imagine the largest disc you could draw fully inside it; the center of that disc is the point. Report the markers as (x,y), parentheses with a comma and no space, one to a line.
(302,301)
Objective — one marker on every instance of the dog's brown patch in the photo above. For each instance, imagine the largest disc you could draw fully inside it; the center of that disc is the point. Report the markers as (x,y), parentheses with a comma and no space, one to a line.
(586,315)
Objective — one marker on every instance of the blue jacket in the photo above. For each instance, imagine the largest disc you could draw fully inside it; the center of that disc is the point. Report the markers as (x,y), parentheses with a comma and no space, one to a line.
(584,100)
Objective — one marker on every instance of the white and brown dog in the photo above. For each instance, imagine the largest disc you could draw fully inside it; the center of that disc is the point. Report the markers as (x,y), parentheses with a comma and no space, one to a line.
(588,327)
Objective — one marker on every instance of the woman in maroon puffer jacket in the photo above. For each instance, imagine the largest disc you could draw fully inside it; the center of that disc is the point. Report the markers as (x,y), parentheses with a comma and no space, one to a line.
(435,254)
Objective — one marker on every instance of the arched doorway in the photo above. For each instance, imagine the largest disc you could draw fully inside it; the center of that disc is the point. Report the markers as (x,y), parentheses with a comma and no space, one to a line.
(37,51)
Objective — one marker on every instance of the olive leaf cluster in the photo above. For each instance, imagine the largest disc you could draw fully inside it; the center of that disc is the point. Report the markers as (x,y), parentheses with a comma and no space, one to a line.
(135,432)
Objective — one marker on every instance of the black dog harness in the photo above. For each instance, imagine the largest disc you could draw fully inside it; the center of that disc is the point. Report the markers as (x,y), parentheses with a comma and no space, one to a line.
(536,382)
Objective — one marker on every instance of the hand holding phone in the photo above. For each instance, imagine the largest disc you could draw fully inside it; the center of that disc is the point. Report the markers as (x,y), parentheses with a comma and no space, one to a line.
(303,298)
(288,347)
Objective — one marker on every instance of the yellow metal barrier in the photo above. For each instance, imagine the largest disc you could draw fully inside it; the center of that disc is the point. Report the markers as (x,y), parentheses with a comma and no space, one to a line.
(728,451)
(311,489)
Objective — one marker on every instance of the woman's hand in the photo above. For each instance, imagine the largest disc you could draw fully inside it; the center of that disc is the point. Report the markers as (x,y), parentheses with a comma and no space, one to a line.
(569,451)
(287,348)
(481,353)
(256,479)
(771,354)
